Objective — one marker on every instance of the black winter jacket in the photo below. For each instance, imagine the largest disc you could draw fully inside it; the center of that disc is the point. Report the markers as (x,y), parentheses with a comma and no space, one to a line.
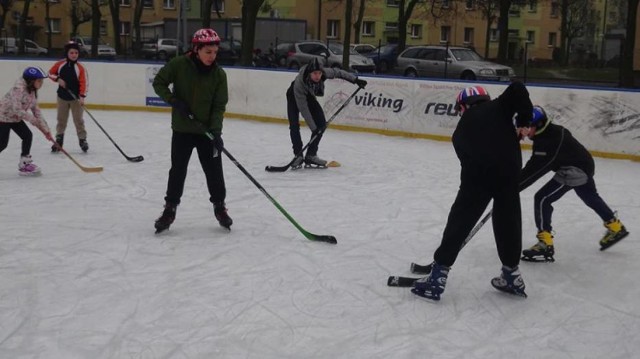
(555,149)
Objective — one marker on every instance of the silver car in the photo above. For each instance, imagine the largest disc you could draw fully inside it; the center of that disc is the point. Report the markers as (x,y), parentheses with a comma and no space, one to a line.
(301,53)
(459,62)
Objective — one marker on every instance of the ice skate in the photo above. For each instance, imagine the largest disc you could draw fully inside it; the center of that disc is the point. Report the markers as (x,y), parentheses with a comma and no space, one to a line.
(222,216)
(432,286)
(297,163)
(615,233)
(84,146)
(542,251)
(59,141)
(26,167)
(510,281)
(166,219)
(314,162)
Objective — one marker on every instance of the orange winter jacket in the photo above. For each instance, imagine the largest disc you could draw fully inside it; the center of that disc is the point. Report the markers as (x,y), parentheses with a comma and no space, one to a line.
(74,75)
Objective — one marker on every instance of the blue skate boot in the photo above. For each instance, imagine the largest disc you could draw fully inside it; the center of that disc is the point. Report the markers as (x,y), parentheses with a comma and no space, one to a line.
(510,281)
(432,286)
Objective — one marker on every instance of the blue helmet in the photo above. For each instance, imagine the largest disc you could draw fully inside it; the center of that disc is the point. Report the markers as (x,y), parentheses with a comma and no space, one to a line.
(34,73)
(539,120)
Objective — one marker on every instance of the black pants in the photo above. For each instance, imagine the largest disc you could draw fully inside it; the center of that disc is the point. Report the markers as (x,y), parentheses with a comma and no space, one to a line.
(554,190)
(182,145)
(479,185)
(21,129)
(294,123)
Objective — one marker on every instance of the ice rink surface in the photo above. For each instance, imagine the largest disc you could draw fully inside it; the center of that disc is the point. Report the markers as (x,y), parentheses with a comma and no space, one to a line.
(82,274)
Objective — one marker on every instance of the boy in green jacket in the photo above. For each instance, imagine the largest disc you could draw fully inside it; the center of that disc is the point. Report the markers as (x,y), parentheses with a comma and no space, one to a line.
(198,99)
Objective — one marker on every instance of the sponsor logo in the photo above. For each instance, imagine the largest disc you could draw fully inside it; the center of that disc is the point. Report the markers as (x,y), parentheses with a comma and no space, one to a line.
(440,108)
(370,100)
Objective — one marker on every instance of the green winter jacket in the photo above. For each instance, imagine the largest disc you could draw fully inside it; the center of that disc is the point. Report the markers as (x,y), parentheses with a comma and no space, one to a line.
(206,94)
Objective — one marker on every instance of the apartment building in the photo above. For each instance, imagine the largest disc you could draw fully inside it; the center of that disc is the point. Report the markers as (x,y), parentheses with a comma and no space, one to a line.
(534,25)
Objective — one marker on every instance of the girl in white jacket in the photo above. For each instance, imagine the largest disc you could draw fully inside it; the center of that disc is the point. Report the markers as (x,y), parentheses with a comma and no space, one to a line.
(20,104)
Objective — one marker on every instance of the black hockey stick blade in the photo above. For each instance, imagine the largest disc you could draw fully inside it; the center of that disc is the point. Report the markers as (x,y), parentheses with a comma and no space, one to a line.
(134,159)
(420,269)
(278,168)
(403,282)
(322,238)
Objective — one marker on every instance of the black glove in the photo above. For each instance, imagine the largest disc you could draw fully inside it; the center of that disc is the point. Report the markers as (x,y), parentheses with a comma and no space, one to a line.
(361,83)
(181,106)
(218,143)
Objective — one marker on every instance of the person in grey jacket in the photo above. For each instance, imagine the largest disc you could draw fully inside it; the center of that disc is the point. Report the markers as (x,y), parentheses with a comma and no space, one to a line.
(301,99)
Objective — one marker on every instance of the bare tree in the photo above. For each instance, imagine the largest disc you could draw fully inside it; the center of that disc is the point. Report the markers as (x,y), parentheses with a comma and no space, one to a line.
(137,15)
(79,13)
(47,20)
(96,16)
(250,9)
(576,16)
(626,60)
(114,6)
(503,29)
(357,24)
(6,6)
(405,9)
(22,25)
(347,34)
(489,10)
(207,6)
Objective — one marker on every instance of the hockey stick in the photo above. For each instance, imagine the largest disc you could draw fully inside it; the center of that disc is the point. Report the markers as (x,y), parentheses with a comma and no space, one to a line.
(132,159)
(83,168)
(286,167)
(399,281)
(308,235)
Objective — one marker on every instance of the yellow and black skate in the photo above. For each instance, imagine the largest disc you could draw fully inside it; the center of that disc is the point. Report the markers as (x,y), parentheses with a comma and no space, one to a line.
(542,251)
(615,233)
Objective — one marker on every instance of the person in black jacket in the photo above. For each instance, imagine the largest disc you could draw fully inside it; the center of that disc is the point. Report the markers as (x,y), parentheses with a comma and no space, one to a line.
(488,146)
(555,149)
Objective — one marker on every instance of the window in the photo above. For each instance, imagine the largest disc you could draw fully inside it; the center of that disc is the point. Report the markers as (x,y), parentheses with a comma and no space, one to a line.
(494,34)
(445,4)
(220,4)
(147,4)
(445,32)
(103,27)
(390,26)
(514,10)
(368,28)
(468,35)
(333,29)
(531,37)
(468,4)
(532,5)
(55,26)
(514,34)
(169,4)
(187,4)
(124,2)
(552,39)
(393,3)
(125,28)
(412,53)
(555,9)
(416,31)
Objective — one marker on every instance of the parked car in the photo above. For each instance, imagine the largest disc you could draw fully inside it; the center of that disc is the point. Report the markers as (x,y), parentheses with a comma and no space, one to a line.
(301,53)
(460,63)
(161,49)
(9,45)
(229,52)
(384,57)
(362,49)
(104,50)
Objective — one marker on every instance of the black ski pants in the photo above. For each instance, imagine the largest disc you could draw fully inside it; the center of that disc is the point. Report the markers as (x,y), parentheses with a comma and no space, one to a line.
(293,113)
(554,190)
(182,145)
(479,185)
(21,129)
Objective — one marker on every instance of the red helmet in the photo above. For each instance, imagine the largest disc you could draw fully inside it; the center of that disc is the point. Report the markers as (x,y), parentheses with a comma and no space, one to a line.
(470,96)
(205,37)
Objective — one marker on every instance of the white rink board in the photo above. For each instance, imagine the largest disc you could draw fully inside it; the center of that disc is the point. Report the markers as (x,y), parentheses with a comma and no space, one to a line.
(604,120)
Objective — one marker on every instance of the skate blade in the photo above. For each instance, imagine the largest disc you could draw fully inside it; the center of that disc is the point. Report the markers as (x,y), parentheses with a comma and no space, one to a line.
(315,167)
(422,294)
(30,174)
(538,260)
(611,243)
(511,292)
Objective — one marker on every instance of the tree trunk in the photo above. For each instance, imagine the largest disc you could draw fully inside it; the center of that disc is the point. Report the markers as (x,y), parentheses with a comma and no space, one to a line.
(22,25)
(137,15)
(626,61)
(357,26)
(250,9)
(347,34)
(96,15)
(564,46)
(206,13)
(114,6)
(503,28)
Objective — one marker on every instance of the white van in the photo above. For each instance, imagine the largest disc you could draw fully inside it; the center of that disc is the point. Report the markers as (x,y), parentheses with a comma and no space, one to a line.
(9,45)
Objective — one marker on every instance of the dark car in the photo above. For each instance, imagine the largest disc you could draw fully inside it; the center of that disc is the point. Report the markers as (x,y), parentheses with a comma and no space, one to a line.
(229,52)
(384,57)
